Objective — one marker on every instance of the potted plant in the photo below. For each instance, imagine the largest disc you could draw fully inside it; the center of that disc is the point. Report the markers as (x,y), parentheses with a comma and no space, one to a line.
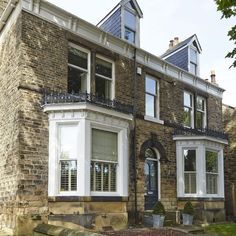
(158,215)
(188,213)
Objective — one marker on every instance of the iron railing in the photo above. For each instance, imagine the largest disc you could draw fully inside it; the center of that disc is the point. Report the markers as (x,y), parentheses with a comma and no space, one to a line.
(62,98)
(181,130)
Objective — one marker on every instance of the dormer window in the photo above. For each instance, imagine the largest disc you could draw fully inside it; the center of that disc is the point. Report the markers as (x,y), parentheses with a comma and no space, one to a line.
(193,61)
(130,26)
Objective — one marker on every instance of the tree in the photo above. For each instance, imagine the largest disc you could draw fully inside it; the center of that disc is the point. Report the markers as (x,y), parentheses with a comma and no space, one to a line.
(228,9)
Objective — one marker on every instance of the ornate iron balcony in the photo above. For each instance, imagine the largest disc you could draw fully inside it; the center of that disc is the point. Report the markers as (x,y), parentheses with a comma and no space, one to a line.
(57,98)
(181,130)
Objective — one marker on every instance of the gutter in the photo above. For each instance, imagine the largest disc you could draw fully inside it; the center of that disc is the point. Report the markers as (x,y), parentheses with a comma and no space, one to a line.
(7,12)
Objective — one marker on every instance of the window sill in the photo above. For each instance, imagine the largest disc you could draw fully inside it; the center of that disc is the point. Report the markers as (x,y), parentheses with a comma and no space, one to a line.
(153,119)
(87,199)
(202,198)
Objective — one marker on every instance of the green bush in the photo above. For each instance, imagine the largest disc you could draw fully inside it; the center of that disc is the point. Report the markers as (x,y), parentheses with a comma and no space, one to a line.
(188,208)
(159,209)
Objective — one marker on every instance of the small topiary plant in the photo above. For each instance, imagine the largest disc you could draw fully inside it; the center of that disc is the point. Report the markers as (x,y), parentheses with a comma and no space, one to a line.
(159,209)
(188,208)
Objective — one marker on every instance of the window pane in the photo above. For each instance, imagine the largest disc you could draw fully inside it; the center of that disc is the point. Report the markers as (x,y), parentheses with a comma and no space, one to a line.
(189,160)
(68,142)
(199,120)
(211,162)
(130,35)
(104,145)
(103,176)
(68,175)
(130,20)
(153,175)
(193,68)
(103,68)
(211,183)
(193,55)
(77,80)
(150,105)
(150,85)
(103,88)
(188,100)
(149,153)
(78,58)
(190,183)
(187,117)
(200,103)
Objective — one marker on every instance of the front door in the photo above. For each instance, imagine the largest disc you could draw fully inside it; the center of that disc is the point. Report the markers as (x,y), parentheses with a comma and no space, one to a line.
(151,179)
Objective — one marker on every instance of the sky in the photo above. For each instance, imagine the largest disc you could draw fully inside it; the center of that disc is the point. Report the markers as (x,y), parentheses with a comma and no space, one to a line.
(164,20)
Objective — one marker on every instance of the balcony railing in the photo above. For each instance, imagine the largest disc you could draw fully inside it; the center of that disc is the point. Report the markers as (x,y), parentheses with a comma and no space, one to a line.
(181,130)
(62,98)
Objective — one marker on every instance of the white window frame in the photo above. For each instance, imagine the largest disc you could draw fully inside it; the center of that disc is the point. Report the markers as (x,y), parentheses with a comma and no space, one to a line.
(191,108)
(200,145)
(197,63)
(156,118)
(112,80)
(204,112)
(85,120)
(88,82)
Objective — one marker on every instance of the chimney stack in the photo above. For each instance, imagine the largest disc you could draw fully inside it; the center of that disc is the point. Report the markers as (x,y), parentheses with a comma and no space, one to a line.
(213,77)
(171,45)
(176,41)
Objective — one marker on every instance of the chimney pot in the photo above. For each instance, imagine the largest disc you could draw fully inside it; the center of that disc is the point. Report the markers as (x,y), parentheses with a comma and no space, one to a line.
(213,77)
(171,44)
(176,41)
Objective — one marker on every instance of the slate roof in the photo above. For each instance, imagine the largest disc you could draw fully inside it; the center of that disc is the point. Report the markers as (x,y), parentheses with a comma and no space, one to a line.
(181,45)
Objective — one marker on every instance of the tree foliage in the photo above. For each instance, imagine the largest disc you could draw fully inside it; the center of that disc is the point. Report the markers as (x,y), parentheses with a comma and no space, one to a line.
(228,9)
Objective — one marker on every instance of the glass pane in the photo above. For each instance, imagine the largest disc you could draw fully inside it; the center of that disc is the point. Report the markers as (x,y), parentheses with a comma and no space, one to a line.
(211,183)
(103,88)
(193,68)
(153,176)
(103,68)
(104,145)
(200,103)
(187,117)
(76,80)
(188,100)
(211,161)
(113,177)
(199,120)
(149,153)
(130,35)
(98,177)
(68,175)
(130,20)
(190,183)
(193,55)
(150,106)
(189,160)
(106,177)
(78,58)
(150,86)
(68,141)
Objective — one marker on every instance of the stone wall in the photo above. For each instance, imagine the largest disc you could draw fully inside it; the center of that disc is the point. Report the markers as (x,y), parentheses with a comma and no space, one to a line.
(9,123)
(3,4)
(229,118)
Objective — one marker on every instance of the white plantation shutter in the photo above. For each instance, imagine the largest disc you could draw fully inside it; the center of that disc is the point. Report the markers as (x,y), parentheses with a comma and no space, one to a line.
(104,145)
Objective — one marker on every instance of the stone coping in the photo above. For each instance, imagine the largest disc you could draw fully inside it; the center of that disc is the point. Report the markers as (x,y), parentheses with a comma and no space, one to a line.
(52,230)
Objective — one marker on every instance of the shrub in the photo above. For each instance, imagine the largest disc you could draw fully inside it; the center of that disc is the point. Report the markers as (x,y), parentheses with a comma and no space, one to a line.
(188,208)
(159,209)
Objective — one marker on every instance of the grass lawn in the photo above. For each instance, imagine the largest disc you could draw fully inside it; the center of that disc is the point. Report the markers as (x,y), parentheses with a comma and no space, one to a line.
(222,229)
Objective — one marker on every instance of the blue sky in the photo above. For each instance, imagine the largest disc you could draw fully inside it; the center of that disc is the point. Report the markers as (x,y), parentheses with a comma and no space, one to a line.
(164,20)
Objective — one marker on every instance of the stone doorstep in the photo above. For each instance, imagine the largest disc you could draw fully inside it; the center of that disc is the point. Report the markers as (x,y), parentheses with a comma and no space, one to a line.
(52,230)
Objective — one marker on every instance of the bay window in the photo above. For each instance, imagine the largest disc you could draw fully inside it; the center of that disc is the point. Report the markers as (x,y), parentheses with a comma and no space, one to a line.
(200,166)
(190,170)
(104,161)
(211,172)
(78,69)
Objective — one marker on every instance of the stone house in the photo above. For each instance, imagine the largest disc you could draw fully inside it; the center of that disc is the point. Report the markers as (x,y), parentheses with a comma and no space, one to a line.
(94,130)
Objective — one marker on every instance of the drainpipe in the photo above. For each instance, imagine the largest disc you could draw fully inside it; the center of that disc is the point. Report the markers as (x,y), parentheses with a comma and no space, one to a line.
(134,139)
